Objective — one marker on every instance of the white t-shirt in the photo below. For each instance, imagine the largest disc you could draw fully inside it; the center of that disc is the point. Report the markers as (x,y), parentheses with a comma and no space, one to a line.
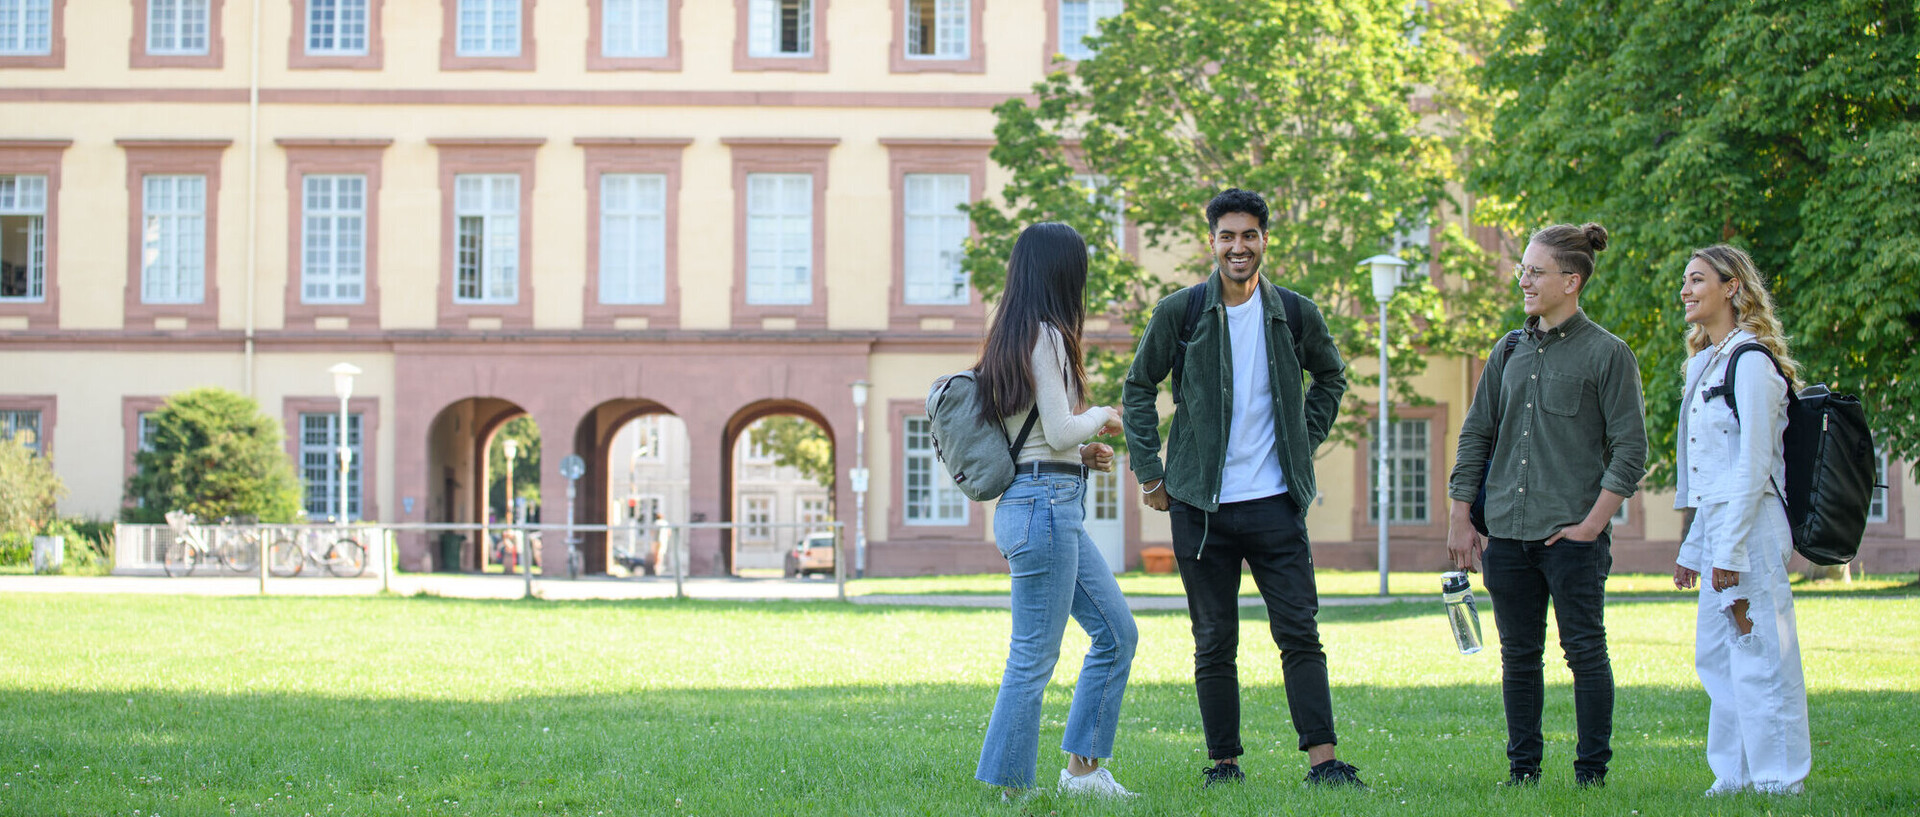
(1252,469)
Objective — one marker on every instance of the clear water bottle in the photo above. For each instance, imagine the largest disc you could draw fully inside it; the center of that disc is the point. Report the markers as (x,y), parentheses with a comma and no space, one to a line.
(1465,618)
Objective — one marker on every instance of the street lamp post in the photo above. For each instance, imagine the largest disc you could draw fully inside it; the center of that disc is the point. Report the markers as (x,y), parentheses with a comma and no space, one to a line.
(858,475)
(343,374)
(1387,270)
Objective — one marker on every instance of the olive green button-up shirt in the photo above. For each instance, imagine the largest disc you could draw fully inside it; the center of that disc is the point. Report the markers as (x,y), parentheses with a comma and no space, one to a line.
(1563,419)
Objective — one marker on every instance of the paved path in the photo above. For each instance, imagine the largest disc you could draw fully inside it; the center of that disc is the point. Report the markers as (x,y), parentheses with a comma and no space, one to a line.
(495,586)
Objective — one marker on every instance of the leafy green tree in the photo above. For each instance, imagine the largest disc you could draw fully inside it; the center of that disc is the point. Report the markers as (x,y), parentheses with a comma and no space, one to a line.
(1790,128)
(526,466)
(1349,116)
(214,454)
(29,490)
(798,443)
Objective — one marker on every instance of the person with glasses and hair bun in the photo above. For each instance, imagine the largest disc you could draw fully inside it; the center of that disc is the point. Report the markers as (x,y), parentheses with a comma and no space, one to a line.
(1730,468)
(1558,432)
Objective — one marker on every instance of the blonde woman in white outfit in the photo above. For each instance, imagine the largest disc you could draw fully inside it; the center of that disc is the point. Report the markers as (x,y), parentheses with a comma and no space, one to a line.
(1746,649)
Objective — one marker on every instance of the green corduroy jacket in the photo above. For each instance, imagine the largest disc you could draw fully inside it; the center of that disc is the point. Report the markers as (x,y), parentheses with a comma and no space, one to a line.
(1197,442)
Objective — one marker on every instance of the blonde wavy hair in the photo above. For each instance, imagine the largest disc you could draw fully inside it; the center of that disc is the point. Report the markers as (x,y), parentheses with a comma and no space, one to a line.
(1752,306)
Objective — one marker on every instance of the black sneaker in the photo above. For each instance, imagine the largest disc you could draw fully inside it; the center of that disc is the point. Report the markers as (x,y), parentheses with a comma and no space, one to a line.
(1335,773)
(1521,780)
(1590,780)
(1222,773)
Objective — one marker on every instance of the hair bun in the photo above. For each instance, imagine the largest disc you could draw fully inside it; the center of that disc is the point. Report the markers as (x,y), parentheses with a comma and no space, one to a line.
(1596,235)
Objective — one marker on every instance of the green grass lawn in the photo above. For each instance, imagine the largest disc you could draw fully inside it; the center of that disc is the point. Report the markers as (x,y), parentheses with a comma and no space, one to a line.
(293,706)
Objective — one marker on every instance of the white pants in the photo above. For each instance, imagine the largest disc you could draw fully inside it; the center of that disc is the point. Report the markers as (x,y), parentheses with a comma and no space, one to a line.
(1757,726)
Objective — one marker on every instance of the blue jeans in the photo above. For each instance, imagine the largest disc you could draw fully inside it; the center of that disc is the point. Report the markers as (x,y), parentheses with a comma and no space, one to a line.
(1040,526)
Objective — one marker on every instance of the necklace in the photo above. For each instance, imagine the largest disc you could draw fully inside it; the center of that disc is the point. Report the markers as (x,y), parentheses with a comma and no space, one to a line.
(1722,345)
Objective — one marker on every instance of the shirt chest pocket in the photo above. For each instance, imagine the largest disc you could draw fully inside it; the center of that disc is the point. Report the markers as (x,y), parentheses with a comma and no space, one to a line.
(1562,393)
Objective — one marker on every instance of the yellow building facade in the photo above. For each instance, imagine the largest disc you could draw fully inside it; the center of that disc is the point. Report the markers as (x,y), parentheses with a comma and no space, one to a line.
(583,211)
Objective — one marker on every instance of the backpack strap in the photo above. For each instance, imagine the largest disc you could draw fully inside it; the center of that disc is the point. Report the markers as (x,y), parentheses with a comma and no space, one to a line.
(1725,389)
(1290,301)
(1020,442)
(1196,298)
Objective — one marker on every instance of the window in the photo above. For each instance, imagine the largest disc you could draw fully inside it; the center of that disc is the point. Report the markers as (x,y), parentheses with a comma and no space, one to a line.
(647,438)
(1407,457)
(634,28)
(1877,508)
(22,427)
(337,27)
(633,239)
(145,432)
(751,449)
(937,29)
(489,28)
(931,496)
(320,464)
(779,238)
(487,249)
(1105,504)
(1080,19)
(1116,211)
(173,239)
(26,27)
(935,236)
(812,512)
(23,238)
(780,28)
(757,512)
(177,27)
(333,239)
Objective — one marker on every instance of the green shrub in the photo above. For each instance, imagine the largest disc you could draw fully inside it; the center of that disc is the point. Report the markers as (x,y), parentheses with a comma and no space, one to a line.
(214,454)
(15,548)
(29,489)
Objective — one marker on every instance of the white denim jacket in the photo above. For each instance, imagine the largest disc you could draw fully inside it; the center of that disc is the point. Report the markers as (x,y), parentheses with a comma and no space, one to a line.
(1724,460)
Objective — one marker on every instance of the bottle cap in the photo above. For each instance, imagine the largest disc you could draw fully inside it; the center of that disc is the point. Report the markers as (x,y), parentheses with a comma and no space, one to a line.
(1453,582)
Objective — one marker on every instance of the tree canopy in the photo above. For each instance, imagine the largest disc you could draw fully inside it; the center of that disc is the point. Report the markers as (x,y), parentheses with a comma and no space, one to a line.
(1789,128)
(214,454)
(797,442)
(1349,116)
(526,466)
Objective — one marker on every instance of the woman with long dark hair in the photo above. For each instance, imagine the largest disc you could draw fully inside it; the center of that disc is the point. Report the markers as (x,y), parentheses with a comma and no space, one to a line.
(1032,363)
(1746,645)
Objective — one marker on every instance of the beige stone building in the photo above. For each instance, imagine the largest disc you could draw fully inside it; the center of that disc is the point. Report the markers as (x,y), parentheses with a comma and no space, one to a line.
(585,211)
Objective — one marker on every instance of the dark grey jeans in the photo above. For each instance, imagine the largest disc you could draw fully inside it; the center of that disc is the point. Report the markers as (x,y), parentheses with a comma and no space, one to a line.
(1522,576)
(1270,537)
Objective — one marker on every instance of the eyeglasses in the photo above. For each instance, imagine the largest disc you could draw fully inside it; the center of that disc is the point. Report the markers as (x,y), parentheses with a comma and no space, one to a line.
(1523,274)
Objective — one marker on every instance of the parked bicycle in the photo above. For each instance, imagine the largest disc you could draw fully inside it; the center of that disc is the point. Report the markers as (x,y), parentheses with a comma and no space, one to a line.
(188,548)
(344,556)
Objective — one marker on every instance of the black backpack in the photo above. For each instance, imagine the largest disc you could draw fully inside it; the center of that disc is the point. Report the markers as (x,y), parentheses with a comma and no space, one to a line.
(1196,299)
(1829,453)
(1477,512)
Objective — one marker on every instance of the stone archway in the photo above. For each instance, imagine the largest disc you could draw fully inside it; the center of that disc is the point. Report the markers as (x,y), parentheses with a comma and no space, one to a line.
(733,441)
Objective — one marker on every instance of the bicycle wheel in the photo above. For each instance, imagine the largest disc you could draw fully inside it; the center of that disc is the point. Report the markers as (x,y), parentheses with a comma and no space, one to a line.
(180,558)
(346,558)
(241,554)
(285,558)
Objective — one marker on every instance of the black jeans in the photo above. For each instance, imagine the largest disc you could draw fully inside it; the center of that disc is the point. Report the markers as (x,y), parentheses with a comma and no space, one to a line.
(1270,536)
(1521,577)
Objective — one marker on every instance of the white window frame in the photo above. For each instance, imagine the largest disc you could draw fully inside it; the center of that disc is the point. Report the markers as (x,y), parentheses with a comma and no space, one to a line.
(633,28)
(1103,496)
(320,464)
(647,433)
(1080,19)
(170,27)
(935,235)
(173,256)
(333,238)
(756,517)
(342,24)
(1412,472)
(25,196)
(12,421)
(26,27)
(929,495)
(481,32)
(766,32)
(633,238)
(1878,507)
(810,511)
(779,238)
(486,217)
(950,27)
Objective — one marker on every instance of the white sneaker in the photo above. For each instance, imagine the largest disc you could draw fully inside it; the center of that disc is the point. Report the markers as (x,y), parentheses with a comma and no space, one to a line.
(1099,783)
(1778,789)
(1725,788)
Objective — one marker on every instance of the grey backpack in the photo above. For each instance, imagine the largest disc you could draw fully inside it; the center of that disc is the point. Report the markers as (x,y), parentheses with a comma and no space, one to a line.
(975,450)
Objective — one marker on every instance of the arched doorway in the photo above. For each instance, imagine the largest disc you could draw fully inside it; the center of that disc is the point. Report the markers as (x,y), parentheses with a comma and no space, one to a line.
(466,456)
(779,480)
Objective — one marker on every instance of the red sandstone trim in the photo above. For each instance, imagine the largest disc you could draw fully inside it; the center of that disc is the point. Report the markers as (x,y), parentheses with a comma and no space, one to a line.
(817,63)
(321,157)
(369,457)
(450,58)
(616,155)
(131,407)
(789,155)
(1437,501)
(152,157)
(974,63)
(299,59)
(508,97)
(46,404)
(597,62)
(973,532)
(904,156)
(216,42)
(460,156)
(56,56)
(39,157)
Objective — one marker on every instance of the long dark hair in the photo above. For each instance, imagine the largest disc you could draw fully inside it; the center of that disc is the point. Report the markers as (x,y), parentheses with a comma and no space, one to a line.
(1046,279)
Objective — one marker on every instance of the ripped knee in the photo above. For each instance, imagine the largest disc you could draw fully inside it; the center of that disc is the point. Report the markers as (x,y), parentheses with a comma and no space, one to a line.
(1737,611)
